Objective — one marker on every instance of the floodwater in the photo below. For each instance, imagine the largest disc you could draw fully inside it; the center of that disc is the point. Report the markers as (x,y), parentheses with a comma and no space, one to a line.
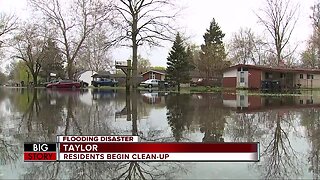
(287,127)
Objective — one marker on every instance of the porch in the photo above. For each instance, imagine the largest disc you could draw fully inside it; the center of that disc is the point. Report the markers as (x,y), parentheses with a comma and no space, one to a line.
(279,81)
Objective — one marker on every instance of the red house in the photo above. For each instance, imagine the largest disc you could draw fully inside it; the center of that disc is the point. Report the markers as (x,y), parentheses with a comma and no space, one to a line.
(154,74)
(251,76)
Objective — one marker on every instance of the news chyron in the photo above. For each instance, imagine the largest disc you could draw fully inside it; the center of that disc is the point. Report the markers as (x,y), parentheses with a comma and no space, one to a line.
(40,152)
(130,148)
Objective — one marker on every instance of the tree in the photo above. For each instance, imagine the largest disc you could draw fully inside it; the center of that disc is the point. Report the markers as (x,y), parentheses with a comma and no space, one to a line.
(8,23)
(178,69)
(159,68)
(143,64)
(193,52)
(279,18)
(74,24)
(309,57)
(18,71)
(3,78)
(246,48)
(212,55)
(52,61)
(95,54)
(145,21)
(30,48)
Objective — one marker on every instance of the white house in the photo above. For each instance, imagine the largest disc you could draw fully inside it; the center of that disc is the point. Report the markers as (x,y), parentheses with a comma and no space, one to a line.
(85,76)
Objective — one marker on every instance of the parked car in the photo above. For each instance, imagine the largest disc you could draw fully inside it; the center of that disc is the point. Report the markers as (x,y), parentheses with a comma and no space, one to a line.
(65,84)
(153,83)
(150,83)
(104,82)
(44,84)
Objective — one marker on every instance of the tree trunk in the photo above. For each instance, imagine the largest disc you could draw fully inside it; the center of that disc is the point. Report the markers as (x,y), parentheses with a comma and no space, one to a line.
(179,86)
(134,52)
(69,70)
(35,79)
(134,114)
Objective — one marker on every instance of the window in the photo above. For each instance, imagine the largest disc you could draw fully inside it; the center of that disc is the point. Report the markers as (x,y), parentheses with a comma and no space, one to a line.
(282,75)
(241,77)
(301,101)
(301,76)
(309,76)
(309,101)
(268,75)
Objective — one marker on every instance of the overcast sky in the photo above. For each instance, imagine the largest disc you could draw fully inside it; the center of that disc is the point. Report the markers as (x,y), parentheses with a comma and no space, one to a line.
(230,15)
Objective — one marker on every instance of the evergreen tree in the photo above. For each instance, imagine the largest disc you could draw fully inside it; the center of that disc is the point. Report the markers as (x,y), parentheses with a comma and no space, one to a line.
(212,55)
(53,62)
(178,65)
(190,58)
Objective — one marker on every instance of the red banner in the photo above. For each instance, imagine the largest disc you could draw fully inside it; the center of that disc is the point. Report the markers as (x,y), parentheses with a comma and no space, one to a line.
(40,156)
(160,147)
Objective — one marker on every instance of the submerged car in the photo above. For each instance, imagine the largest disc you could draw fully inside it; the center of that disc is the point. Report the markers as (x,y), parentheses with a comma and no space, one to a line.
(65,84)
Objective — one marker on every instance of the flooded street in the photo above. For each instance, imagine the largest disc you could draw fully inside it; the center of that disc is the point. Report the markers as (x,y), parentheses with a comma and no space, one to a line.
(287,127)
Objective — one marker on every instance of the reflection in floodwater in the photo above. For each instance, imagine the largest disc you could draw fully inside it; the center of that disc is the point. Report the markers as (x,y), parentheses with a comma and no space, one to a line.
(286,127)
(311,120)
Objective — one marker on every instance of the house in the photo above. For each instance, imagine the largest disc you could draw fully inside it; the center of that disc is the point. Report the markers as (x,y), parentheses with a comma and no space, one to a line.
(243,103)
(86,76)
(252,76)
(154,74)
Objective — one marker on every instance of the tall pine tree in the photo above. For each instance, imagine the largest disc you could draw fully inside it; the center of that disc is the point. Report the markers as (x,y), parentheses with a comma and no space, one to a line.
(213,55)
(178,65)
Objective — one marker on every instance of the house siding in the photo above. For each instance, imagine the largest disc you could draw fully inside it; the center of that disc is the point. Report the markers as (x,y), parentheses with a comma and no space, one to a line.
(148,75)
(229,82)
(230,73)
(308,83)
(254,79)
(230,79)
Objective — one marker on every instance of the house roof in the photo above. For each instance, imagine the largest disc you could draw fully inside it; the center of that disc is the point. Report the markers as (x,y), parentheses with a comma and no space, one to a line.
(162,72)
(276,69)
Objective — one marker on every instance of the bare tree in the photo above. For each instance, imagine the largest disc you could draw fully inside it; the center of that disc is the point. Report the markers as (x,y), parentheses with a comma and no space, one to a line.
(30,48)
(309,57)
(145,21)
(74,24)
(8,23)
(95,55)
(245,47)
(279,18)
